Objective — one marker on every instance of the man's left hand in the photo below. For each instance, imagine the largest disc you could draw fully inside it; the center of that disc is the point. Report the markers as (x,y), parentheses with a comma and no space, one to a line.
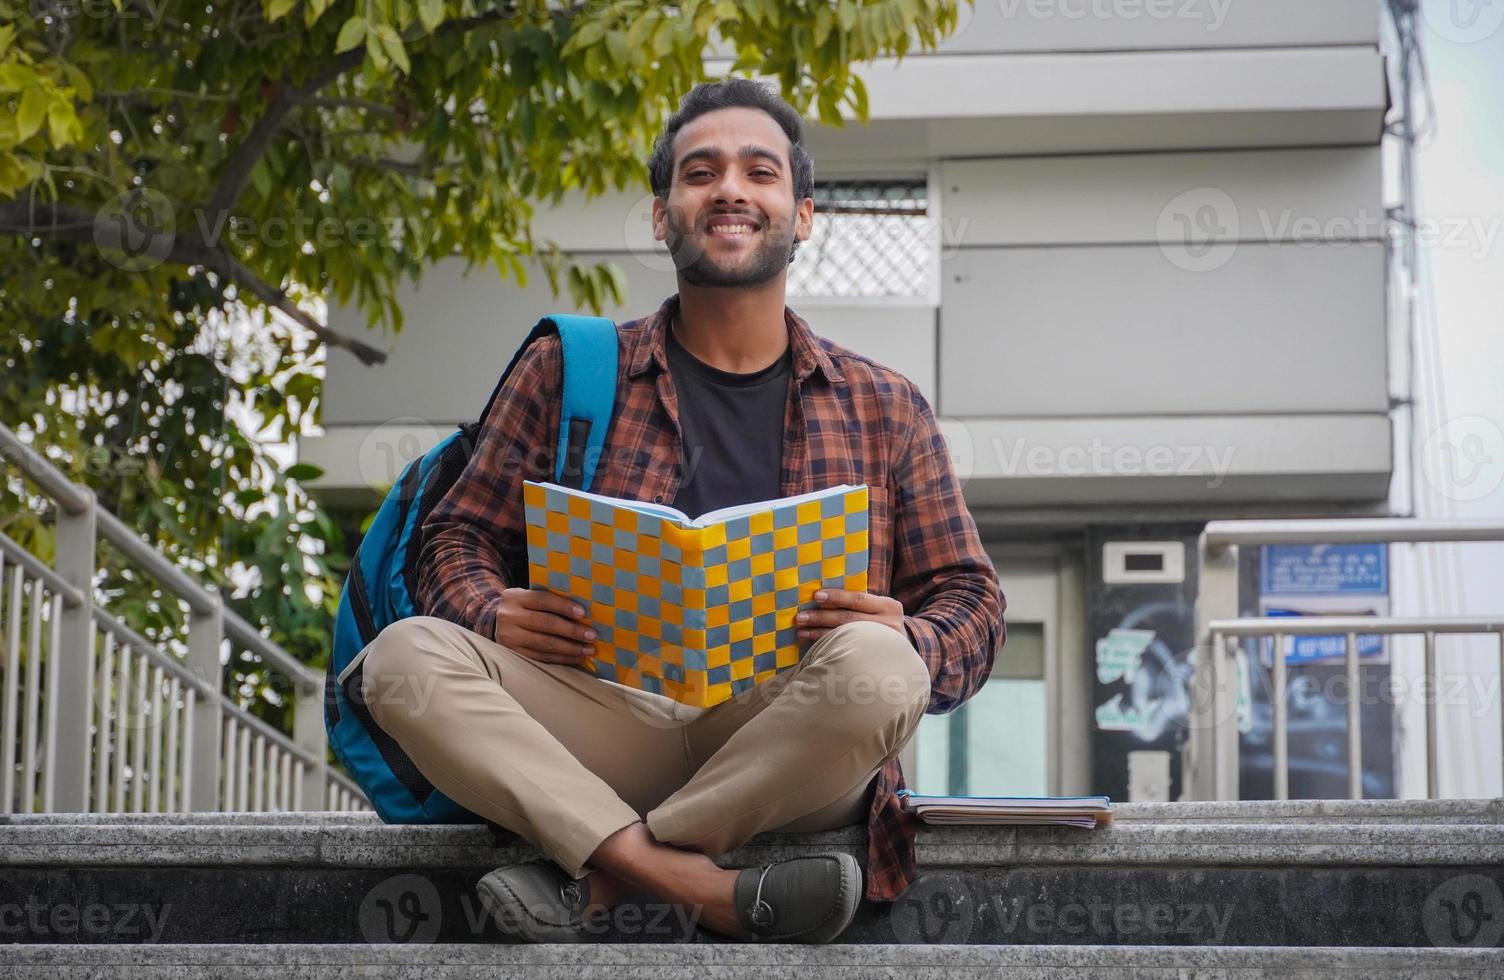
(837,606)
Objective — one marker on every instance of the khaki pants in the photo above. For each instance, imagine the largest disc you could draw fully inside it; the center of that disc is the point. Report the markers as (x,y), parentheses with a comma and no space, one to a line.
(566,760)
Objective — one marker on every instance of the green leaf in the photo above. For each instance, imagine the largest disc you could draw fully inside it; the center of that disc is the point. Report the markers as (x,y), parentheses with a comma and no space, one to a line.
(351,34)
(391,42)
(616,47)
(32,112)
(304,471)
(374,51)
(277,9)
(261,178)
(430,14)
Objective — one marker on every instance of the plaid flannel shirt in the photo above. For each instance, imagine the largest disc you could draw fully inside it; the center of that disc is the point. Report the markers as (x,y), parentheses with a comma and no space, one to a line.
(848,420)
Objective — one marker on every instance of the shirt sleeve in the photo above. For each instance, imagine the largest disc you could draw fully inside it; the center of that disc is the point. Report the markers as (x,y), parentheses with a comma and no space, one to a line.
(474,540)
(953,605)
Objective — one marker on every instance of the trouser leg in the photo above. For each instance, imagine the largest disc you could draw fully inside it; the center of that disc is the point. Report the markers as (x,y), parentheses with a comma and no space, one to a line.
(810,740)
(545,750)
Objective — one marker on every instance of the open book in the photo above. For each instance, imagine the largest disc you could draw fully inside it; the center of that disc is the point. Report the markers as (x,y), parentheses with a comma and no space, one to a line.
(1063,811)
(694,610)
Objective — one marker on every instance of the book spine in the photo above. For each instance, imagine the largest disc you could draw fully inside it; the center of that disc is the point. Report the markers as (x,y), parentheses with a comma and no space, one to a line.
(691,546)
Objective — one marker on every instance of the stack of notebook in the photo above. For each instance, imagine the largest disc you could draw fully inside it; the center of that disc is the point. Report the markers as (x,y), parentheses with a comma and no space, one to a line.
(1055,811)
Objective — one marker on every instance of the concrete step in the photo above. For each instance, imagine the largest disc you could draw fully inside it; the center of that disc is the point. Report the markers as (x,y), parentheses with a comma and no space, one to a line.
(1300,874)
(773,962)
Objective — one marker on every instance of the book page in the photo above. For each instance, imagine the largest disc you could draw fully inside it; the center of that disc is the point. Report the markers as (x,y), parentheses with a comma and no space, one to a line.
(706,519)
(640,506)
(739,510)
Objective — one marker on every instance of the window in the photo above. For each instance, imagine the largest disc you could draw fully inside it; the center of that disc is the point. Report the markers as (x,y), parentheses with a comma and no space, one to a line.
(994,744)
(872,238)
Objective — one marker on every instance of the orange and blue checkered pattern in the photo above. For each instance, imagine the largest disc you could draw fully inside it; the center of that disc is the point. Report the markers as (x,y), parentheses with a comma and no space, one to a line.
(694,614)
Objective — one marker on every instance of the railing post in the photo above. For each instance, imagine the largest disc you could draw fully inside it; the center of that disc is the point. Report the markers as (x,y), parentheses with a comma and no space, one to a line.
(72,703)
(206,632)
(308,732)
(1213,715)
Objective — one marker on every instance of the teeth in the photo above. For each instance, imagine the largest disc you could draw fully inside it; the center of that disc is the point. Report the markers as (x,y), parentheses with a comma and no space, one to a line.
(733,229)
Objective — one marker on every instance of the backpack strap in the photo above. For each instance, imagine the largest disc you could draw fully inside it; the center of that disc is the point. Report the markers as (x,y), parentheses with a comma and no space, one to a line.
(589,348)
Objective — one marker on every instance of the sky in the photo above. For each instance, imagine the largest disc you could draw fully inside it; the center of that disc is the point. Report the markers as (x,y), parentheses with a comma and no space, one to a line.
(1460,202)
(1461,177)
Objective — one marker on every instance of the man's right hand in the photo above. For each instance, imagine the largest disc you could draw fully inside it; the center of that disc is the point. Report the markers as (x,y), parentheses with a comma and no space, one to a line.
(543,626)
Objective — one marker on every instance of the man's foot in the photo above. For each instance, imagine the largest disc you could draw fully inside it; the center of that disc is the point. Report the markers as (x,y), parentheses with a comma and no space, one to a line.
(537,902)
(803,900)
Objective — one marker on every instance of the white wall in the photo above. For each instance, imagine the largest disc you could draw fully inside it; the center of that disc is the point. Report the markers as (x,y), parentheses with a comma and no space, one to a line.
(1068,156)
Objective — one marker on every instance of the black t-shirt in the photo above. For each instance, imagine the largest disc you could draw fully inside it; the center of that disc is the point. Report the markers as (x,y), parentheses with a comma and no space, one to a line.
(733,430)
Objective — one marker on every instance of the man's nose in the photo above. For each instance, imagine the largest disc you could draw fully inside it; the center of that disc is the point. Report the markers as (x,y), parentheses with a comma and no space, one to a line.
(731,187)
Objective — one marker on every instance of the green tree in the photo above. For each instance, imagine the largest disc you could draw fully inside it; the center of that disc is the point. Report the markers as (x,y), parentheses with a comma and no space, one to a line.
(183,186)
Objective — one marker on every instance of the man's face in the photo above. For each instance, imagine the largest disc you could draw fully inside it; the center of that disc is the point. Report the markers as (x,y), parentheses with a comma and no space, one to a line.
(731,219)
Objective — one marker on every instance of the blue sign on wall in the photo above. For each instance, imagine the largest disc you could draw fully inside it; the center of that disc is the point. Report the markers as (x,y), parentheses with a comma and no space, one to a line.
(1308,649)
(1343,571)
(1325,569)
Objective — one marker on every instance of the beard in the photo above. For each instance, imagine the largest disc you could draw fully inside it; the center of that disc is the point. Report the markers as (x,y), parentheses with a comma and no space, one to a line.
(698,267)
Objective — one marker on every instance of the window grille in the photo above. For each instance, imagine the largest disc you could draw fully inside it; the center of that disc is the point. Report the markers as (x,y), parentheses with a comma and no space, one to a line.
(871,238)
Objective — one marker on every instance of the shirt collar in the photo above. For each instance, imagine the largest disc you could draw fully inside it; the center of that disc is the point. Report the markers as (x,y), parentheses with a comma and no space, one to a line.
(648,345)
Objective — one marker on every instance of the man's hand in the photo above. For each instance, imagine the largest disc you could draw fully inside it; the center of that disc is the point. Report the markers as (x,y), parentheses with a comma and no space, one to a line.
(543,626)
(839,606)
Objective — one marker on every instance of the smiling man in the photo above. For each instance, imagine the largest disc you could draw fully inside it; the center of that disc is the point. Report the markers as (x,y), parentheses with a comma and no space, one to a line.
(619,797)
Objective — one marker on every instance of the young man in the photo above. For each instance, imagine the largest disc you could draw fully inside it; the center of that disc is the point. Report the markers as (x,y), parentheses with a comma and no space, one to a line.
(724,396)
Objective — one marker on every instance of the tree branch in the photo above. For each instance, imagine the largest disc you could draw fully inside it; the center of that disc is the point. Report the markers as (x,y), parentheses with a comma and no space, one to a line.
(403,167)
(22,217)
(364,105)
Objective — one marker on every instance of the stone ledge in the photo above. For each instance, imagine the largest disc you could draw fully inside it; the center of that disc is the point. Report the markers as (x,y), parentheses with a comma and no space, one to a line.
(1362,834)
(697,962)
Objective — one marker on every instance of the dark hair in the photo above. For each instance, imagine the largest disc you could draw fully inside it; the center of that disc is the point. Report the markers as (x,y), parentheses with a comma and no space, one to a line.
(728,94)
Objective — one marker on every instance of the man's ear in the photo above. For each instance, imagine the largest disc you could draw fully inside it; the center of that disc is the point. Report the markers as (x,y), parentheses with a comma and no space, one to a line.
(804,219)
(660,219)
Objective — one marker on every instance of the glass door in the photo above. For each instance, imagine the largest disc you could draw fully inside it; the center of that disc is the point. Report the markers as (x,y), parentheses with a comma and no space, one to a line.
(998,743)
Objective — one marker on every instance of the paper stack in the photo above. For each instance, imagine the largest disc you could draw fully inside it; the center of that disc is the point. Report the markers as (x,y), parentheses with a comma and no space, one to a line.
(1055,811)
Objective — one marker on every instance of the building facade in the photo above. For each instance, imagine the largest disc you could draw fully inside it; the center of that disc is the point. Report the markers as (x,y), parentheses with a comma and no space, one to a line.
(1134,255)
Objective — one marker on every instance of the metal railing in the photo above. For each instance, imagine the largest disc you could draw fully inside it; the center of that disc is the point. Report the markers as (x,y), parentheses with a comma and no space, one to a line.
(96,718)
(1212,749)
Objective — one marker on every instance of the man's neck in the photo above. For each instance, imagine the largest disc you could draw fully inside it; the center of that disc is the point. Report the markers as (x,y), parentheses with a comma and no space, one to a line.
(734,330)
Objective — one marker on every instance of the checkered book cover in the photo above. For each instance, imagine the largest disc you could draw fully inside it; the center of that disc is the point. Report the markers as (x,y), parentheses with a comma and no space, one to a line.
(696,614)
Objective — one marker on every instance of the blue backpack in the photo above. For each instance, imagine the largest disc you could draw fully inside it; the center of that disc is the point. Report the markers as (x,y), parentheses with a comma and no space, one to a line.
(383,573)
